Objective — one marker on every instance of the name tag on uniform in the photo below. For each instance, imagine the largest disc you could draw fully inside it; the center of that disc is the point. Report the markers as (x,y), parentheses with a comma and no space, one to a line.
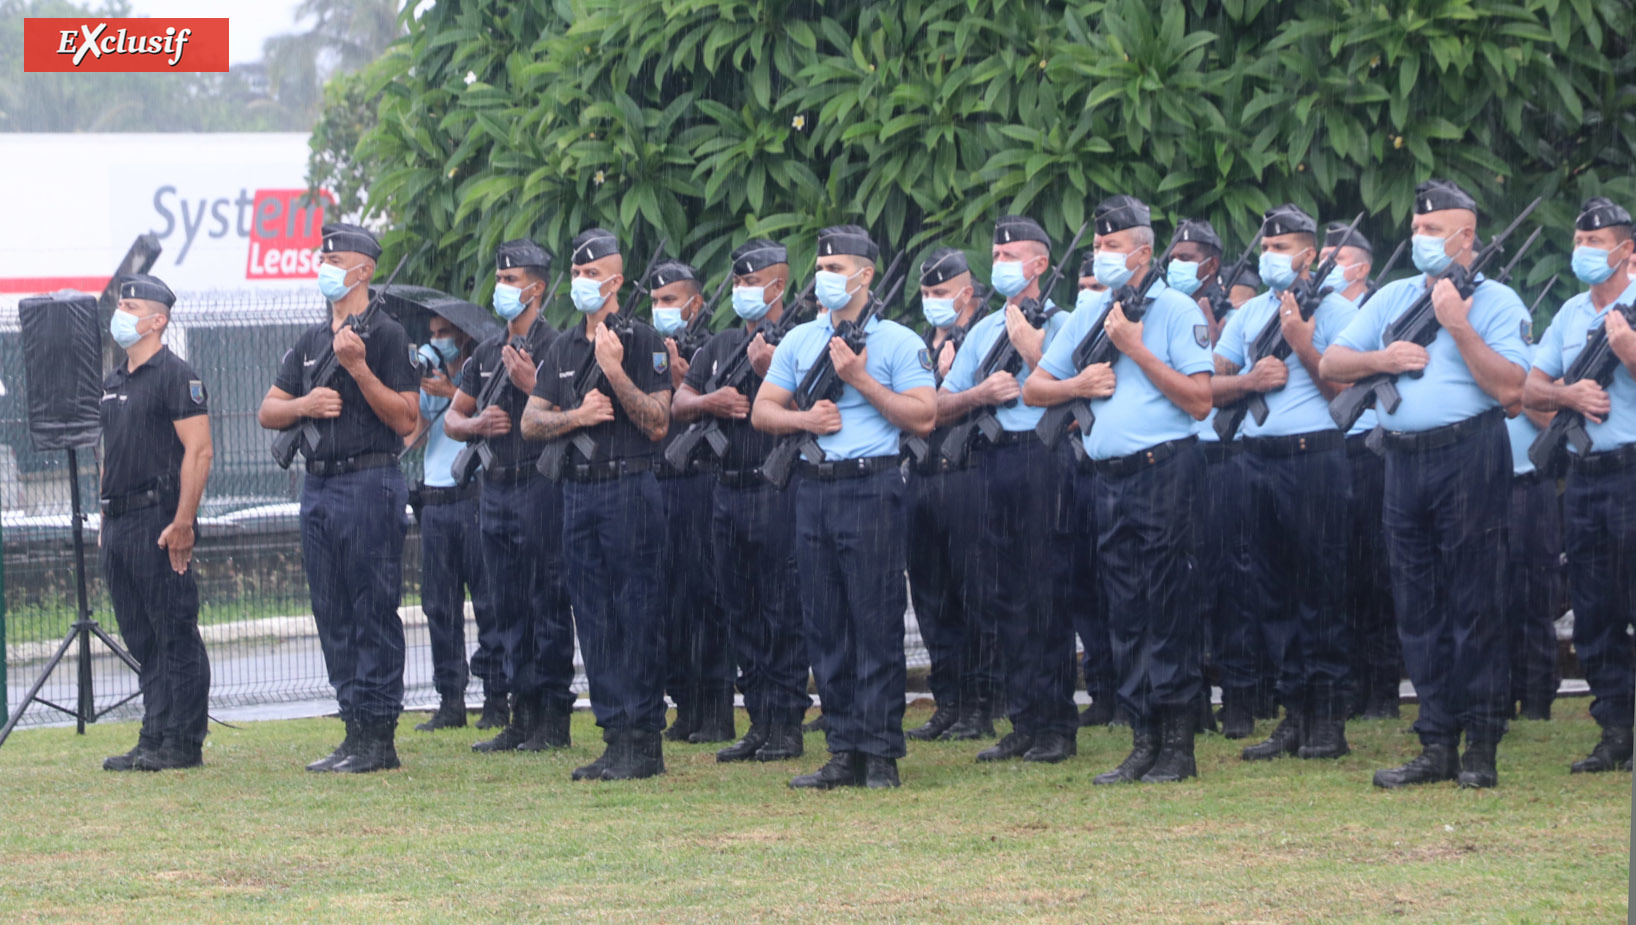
(568,374)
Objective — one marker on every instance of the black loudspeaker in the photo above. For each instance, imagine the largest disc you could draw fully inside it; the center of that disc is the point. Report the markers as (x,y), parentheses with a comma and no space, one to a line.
(62,369)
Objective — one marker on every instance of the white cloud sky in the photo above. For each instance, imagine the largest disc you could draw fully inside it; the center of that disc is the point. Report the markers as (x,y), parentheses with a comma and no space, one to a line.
(250,22)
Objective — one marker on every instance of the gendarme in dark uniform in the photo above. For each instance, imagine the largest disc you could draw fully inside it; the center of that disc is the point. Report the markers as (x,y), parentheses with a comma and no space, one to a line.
(156,457)
(612,513)
(353,515)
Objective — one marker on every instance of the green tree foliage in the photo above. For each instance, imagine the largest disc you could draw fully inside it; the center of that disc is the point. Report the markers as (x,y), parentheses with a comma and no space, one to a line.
(345,36)
(714,120)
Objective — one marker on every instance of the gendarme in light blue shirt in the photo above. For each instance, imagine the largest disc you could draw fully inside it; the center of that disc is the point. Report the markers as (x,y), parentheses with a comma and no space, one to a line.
(441,449)
(1137,415)
(979,341)
(898,359)
(1447,393)
(1561,345)
(1299,407)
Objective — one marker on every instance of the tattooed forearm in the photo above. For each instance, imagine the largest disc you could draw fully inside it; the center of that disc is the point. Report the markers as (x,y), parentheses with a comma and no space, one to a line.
(650,413)
(543,420)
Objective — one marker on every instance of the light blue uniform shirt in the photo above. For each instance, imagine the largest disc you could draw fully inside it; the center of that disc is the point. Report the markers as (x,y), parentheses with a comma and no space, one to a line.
(898,359)
(1447,393)
(441,449)
(1368,419)
(979,341)
(1521,432)
(1299,407)
(1206,429)
(1560,346)
(1137,415)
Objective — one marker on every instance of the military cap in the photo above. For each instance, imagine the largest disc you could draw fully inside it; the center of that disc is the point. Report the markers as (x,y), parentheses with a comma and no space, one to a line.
(1436,195)
(758,254)
(522,252)
(666,272)
(344,236)
(143,286)
(1600,212)
(1199,231)
(846,239)
(1288,218)
(593,244)
(1087,263)
(942,265)
(1248,277)
(1116,213)
(1335,236)
(1019,228)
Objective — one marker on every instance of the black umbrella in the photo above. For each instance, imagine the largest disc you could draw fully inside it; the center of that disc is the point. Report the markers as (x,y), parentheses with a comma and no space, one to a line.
(413,307)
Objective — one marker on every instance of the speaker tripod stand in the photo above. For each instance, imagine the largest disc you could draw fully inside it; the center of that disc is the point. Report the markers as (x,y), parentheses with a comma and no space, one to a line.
(80,633)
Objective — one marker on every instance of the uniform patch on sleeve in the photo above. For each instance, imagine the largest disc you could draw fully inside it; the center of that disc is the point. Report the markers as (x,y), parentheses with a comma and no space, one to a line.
(661,361)
(1201,334)
(1527,331)
(195,391)
(925,358)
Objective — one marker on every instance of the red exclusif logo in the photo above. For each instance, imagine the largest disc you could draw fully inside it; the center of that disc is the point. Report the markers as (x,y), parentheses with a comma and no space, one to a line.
(124,45)
(285,233)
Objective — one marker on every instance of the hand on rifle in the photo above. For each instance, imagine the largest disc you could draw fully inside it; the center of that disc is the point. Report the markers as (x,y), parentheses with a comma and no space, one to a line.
(760,354)
(437,385)
(1587,398)
(597,408)
(1621,338)
(822,418)
(1028,340)
(1453,312)
(999,388)
(322,403)
(349,349)
(1268,375)
(1297,330)
(678,363)
(1402,356)
(1094,381)
(1125,333)
(519,368)
(610,352)
(727,402)
(945,359)
(852,367)
(493,422)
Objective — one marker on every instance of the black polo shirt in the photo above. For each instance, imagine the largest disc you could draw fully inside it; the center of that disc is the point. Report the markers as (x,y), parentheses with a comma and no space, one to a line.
(358,430)
(509,449)
(139,412)
(647,362)
(749,447)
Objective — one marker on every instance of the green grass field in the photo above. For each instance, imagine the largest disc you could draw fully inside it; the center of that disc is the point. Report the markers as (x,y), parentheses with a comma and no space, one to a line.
(456,836)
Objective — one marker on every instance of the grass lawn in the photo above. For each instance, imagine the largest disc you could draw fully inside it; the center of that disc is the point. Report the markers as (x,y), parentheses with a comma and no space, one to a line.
(454,835)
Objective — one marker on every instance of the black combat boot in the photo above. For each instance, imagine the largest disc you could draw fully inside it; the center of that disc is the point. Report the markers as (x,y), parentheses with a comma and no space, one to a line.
(126,761)
(375,752)
(1144,751)
(687,719)
(593,771)
(495,712)
(328,762)
(516,731)
(1237,718)
(169,756)
(934,727)
(1265,702)
(1477,769)
(1052,747)
(451,714)
(783,743)
(548,731)
(1610,754)
(844,769)
(635,754)
(1323,738)
(1102,712)
(817,725)
(974,720)
(1285,739)
(880,773)
(1536,706)
(745,749)
(1437,761)
(1014,745)
(1175,761)
(716,721)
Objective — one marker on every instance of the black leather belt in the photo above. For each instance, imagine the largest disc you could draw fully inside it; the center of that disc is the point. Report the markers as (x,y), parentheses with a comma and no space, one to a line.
(1528,479)
(511,475)
(848,468)
(694,467)
(607,469)
(938,464)
(1008,438)
(137,500)
(1120,466)
(1437,438)
(1602,463)
(1358,444)
(332,467)
(1318,441)
(741,479)
(1217,452)
(432,495)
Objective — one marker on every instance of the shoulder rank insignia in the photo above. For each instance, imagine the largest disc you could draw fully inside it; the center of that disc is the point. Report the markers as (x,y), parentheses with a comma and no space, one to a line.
(195,391)
(1201,334)
(661,361)
(1527,331)
(925,358)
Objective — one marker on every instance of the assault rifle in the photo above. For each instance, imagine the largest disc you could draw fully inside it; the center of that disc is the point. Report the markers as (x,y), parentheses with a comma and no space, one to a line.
(1596,362)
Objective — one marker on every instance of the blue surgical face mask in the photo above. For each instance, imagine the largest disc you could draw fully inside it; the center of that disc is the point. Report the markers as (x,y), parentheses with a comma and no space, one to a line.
(586,294)
(668,320)
(750,302)
(1429,253)
(508,301)
(831,289)
(939,313)
(1085,299)
(1277,271)
(1007,278)
(123,328)
(447,347)
(1110,268)
(1335,280)
(332,281)
(1183,276)
(1590,264)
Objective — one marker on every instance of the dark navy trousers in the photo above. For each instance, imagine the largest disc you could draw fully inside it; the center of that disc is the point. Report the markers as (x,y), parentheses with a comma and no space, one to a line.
(1036,638)
(352,530)
(1377,655)
(612,540)
(942,519)
(158,615)
(1600,513)
(1295,511)
(1445,515)
(698,655)
(522,530)
(1145,529)
(1534,587)
(1220,548)
(1072,569)
(849,536)
(451,567)
(754,546)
